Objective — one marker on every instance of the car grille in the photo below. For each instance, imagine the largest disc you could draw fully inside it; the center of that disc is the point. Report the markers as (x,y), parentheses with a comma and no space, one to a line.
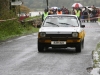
(58,35)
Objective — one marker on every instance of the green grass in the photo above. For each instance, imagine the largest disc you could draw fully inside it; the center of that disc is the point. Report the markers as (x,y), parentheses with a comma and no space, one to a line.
(98,51)
(11,29)
(99,19)
(98,45)
(32,18)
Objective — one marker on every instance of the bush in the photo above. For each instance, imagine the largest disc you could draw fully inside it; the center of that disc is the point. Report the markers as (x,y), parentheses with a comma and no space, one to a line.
(4,14)
(13,28)
(9,28)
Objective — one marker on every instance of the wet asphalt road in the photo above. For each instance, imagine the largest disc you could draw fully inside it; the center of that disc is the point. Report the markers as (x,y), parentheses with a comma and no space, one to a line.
(20,56)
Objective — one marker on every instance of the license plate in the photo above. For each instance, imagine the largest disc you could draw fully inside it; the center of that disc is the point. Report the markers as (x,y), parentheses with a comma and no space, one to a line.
(58,42)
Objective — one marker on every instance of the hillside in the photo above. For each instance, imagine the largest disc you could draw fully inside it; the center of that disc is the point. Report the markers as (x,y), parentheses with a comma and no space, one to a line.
(41,4)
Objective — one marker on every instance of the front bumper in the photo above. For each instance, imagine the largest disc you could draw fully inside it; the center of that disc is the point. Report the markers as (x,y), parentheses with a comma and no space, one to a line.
(70,42)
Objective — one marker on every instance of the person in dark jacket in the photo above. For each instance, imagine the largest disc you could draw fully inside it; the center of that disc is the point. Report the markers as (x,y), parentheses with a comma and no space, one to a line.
(94,12)
(85,15)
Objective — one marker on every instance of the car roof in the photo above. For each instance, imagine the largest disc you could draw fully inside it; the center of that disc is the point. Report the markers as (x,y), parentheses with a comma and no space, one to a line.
(64,15)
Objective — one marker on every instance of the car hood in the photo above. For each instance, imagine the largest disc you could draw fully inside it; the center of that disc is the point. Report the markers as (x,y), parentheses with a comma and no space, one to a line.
(60,30)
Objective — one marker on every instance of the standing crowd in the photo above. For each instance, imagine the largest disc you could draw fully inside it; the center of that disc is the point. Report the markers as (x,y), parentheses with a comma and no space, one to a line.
(52,11)
(84,14)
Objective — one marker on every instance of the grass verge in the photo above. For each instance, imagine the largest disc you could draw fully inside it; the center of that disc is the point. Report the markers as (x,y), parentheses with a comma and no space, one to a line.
(96,56)
(12,29)
(32,18)
(98,49)
(99,19)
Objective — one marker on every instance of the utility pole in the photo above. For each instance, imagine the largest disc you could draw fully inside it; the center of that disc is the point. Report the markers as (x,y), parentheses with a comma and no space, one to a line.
(57,2)
(47,4)
(12,6)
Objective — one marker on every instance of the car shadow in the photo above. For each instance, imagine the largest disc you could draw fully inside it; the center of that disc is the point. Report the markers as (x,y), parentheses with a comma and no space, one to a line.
(61,50)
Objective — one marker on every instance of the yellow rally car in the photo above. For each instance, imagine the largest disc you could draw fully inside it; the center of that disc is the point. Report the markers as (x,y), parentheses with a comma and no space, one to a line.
(61,31)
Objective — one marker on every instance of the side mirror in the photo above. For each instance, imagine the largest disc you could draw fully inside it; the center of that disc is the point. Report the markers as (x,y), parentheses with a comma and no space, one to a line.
(82,26)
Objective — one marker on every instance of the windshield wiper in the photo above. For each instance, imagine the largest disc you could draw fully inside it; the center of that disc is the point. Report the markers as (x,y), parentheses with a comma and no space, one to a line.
(67,24)
(52,23)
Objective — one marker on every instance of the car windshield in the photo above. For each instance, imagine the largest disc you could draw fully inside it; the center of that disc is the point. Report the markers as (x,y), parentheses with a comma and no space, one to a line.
(60,21)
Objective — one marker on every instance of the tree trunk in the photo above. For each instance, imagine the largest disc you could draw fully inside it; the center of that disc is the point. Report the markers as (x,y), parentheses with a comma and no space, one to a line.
(4,5)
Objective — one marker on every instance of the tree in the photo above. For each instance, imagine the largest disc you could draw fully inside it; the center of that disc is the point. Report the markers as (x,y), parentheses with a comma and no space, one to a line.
(23,9)
(5,12)
(4,6)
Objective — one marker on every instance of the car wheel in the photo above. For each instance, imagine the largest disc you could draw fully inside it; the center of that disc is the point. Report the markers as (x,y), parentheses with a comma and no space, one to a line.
(83,43)
(79,47)
(40,47)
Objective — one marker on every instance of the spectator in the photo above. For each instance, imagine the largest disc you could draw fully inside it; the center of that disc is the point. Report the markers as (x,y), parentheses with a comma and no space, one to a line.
(78,13)
(59,11)
(94,12)
(85,14)
(50,12)
(44,15)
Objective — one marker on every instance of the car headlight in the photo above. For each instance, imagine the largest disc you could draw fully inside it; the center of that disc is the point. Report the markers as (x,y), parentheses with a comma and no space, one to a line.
(75,34)
(42,34)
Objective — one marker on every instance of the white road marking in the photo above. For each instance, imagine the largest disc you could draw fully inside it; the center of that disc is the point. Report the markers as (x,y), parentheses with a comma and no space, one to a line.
(10,41)
(21,37)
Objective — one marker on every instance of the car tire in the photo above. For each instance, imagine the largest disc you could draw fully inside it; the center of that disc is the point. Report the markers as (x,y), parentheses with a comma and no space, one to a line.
(79,47)
(40,47)
(83,44)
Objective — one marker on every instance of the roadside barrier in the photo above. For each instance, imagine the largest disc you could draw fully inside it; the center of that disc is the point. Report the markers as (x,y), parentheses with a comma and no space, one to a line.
(92,18)
(89,17)
(80,18)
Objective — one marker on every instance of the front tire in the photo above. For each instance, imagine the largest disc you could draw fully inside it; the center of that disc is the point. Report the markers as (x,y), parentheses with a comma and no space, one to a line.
(40,47)
(79,47)
(83,44)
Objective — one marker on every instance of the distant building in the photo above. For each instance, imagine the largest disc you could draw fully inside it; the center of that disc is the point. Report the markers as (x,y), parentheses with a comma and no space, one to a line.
(37,13)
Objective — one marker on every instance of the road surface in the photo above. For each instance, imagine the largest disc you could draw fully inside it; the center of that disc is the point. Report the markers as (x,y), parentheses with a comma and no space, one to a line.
(20,56)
